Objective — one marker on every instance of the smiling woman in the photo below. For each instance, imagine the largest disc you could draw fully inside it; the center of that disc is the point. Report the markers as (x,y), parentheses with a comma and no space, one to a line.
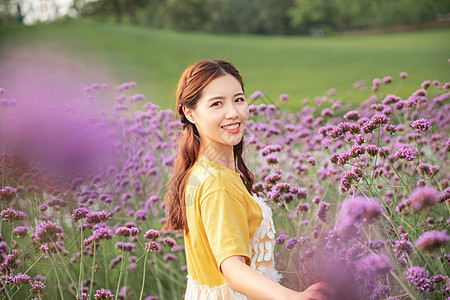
(228,231)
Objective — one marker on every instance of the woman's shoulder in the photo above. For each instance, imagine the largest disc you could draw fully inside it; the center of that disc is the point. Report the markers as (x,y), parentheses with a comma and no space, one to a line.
(207,174)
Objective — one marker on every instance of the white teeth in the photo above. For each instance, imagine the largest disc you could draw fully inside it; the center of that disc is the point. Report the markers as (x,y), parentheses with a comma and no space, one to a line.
(231,127)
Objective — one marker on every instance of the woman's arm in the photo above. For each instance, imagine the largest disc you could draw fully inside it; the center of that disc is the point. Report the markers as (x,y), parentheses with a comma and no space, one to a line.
(243,279)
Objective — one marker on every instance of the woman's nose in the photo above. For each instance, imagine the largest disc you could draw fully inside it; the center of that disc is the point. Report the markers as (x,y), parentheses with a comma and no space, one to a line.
(231,112)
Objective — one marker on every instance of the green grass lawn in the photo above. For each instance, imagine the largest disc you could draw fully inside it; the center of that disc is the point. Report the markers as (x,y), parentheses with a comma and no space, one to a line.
(303,67)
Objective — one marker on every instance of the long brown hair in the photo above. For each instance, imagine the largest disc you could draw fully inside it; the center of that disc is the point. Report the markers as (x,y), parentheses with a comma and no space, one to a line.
(191,84)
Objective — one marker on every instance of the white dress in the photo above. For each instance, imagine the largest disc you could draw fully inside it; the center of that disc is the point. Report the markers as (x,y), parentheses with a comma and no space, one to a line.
(261,250)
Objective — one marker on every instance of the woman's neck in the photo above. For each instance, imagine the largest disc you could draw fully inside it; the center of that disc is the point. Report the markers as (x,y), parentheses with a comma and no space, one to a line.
(222,158)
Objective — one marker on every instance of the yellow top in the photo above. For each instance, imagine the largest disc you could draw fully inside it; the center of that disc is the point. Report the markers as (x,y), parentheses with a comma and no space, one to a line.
(222,218)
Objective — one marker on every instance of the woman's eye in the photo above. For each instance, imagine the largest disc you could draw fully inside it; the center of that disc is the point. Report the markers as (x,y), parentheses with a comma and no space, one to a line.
(216,103)
(240,99)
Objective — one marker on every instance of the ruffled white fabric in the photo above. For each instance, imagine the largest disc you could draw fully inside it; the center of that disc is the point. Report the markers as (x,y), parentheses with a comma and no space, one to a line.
(262,244)
(262,260)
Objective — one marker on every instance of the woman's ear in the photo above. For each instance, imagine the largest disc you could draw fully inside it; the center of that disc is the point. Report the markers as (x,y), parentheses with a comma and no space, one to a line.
(189,113)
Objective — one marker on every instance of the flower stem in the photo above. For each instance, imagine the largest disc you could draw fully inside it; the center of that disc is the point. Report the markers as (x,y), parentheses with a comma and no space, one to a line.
(6,290)
(120,272)
(143,275)
(81,263)
(92,272)
(57,278)
(158,281)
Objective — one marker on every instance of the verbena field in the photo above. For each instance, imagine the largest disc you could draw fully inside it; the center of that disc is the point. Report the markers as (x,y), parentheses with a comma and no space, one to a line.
(303,67)
(359,192)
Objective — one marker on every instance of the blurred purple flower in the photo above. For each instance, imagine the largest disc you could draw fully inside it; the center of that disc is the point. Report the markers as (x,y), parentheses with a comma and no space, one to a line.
(423,197)
(432,240)
(256,95)
(373,265)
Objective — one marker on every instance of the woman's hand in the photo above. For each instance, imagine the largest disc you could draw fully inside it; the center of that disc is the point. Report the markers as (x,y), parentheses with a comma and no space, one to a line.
(243,279)
(317,291)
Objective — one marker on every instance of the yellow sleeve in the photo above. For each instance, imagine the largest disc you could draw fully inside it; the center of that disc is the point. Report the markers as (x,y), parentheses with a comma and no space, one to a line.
(225,220)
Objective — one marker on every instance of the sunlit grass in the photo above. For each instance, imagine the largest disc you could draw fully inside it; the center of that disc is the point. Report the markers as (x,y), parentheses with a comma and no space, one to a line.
(303,67)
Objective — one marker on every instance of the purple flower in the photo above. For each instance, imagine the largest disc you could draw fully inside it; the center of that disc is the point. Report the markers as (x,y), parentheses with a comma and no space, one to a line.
(432,240)
(152,235)
(418,277)
(169,256)
(352,115)
(48,232)
(79,213)
(425,84)
(421,124)
(374,265)
(326,112)
(291,243)
(281,239)
(403,75)
(403,249)
(21,231)
(103,294)
(115,261)
(57,203)
(140,215)
(271,159)
(379,119)
(423,197)
(270,149)
(405,152)
(152,246)
(21,279)
(425,170)
(284,98)
(169,242)
(93,218)
(8,193)
(126,232)
(356,211)
(322,212)
(256,95)
(10,215)
(387,79)
(37,288)
(127,247)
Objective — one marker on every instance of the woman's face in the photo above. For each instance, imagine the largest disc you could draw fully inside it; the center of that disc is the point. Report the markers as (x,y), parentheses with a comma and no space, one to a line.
(221,114)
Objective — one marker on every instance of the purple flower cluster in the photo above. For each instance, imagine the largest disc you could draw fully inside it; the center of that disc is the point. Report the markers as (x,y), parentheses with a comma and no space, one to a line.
(432,240)
(10,215)
(406,152)
(422,198)
(8,193)
(421,125)
(355,212)
(418,277)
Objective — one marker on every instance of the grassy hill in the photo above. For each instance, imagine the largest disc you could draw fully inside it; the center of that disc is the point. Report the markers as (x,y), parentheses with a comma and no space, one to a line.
(303,67)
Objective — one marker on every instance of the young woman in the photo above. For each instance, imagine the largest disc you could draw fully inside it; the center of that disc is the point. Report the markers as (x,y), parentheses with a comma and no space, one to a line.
(228,233)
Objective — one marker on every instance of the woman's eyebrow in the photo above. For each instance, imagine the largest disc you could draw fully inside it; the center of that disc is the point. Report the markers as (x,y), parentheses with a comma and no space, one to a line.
(222,97)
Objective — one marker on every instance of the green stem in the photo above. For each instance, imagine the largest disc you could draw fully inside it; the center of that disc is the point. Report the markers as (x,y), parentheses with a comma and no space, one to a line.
(143,275)
(92,273)
(120,272)
(7,294)
(81,263)
(18,288)
(57,278)
(158,281)
(105,267)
